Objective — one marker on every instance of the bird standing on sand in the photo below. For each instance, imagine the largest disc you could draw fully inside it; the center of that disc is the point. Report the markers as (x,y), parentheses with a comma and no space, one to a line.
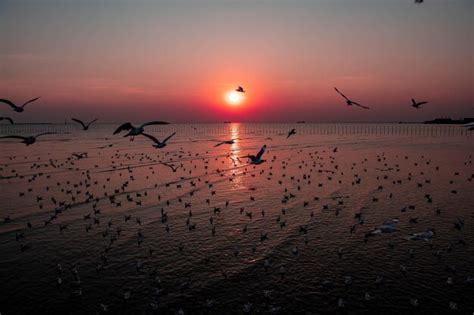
(416,104)
(157,144)
(84,126)
(28,140)
(350,102)
(18,109)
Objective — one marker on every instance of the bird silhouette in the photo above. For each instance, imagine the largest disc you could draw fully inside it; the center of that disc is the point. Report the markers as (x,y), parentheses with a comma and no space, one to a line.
(416,104)
(84,126)
(157,144)
(18,109)
(135,131)
(7,118)
(350,102)
(28,140)
(257,159)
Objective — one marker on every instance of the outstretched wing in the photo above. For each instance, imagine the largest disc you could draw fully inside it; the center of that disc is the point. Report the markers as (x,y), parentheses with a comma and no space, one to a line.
(79,121)
(341,93)
(155,123)
(220,143)
(7,118)
(262,150)
(125,126)
(45,133)
(151,138)
(30,101)
(169,137)
(92,122)
(13,137)
(8,102)
(421,103)
(360,105)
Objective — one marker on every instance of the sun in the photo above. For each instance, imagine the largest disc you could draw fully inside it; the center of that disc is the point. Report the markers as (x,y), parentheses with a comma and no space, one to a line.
(234,98)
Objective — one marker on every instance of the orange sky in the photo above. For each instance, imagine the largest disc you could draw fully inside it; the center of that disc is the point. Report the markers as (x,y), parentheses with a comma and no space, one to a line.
(175,60)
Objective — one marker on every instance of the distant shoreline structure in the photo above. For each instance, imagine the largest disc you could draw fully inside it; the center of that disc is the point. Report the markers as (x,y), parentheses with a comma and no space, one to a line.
(441,121)
(449,121)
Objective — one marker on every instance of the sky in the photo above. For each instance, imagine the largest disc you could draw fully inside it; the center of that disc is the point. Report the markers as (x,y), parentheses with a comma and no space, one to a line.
(175,60)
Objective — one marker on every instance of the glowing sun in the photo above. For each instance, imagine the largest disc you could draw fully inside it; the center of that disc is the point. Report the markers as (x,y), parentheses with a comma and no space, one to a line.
(234,98)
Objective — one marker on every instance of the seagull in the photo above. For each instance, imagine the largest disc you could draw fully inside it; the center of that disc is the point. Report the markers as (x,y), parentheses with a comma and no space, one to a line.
(292,132)
(349,102)
(231,141)
(18,109)
(258,158)
(157,144)
(84,126)
(135,131)
(170,166)
(426,236)
(28,140)
(469,126)
(386,227)
(240,89)
(7,118)
(416,104)
(81,155)
(419,1)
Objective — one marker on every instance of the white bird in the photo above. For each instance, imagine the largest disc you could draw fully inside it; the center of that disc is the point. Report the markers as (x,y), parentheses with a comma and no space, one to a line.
(386,227)
(18,109)
(469,126)
(426,235)
(157,144)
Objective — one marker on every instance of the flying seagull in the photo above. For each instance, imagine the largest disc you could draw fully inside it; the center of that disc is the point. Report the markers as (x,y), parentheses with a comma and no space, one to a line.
(257,159)
(231,141)
(28,140)
(418,1)
(240,89)
(349,102)
(416,104)
(7,118)
(469,126)
(135,131)
(157,144)
(81,155)
(292,132)
(17,109)
(84,126)
(173,168)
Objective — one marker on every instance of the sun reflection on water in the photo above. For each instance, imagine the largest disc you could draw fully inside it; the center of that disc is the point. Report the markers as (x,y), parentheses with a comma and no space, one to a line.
(234,159)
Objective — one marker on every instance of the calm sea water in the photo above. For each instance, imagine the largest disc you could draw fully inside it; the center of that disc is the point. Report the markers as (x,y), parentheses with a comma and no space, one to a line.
(132,234)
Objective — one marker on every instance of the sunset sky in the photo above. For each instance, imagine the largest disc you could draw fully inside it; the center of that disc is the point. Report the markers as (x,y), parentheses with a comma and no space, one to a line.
(176,60)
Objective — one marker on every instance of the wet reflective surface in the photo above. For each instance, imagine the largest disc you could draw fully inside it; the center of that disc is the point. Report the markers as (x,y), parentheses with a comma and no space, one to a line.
(210,233)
